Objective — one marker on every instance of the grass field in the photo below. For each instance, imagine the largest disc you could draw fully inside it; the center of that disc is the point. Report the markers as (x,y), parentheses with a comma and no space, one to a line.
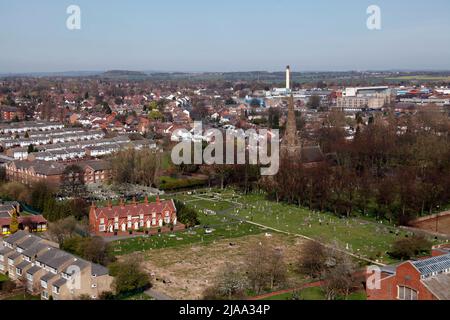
(363,237)
(314,294)
(421,77)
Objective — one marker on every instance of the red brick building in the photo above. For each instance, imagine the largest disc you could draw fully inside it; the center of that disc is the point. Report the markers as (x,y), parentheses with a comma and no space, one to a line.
(51,172)
(426,279)
(132,217)
(9,113)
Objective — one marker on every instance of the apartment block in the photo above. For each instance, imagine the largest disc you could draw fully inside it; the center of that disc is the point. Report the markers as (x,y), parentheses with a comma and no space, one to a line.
(50,272)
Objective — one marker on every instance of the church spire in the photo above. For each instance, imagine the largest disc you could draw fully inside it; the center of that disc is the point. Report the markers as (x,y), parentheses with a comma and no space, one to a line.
(291,142)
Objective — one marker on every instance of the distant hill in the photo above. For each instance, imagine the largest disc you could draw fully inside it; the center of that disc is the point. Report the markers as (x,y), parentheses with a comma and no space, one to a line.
(123,74)
(52,74)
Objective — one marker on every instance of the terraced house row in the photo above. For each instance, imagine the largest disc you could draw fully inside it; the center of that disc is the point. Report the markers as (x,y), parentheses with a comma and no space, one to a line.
(132,216)
(50,138)
(78,149)
(50,272)
(29,172)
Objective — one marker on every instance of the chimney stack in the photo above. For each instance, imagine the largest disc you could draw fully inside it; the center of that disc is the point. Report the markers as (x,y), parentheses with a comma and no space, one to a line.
(288,77)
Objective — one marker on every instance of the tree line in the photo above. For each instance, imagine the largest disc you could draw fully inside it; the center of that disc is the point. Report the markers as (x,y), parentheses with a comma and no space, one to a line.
(394,168)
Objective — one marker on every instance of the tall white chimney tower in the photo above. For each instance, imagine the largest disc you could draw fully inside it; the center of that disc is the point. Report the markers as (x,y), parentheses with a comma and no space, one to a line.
(288,78)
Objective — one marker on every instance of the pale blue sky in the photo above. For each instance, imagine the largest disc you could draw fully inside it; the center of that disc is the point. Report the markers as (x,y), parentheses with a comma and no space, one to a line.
(232,35)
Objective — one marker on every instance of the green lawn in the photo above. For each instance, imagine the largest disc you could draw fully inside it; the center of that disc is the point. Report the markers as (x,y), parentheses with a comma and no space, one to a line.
(169,183)
(223,228)
(315,293)
(139,296)
(421,77)
(363,237)
(3,277)
(24,297)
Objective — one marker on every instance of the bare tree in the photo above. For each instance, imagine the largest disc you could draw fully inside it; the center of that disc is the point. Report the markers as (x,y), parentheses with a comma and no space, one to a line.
(312,259)
(265,266)
(62,229)
(339,277)
(230,284)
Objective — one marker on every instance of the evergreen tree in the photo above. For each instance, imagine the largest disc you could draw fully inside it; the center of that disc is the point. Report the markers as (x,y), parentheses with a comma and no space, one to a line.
(14,226)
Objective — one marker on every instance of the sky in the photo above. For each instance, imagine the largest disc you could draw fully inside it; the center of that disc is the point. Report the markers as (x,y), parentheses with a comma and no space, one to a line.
(231,35)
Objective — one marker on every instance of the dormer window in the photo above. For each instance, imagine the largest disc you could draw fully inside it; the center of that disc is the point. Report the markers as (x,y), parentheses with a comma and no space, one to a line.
(55,290)
(65,276)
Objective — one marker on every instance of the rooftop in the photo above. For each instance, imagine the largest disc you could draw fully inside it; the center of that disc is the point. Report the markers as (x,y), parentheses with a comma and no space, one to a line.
(433,265)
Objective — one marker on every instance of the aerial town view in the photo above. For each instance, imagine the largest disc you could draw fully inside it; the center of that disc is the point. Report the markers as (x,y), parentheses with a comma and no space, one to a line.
(251,151)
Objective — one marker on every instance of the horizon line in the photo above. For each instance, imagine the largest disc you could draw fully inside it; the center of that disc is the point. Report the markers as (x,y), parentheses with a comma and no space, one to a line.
(18,73)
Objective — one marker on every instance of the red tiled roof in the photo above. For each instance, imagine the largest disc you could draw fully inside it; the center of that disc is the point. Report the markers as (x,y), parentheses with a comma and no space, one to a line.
(123,211)
(33,219)
(30,219)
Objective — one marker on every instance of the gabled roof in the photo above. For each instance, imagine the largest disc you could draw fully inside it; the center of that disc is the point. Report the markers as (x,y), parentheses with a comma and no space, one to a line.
(122,211)
(4,250)
(60,282)
(432,265)
(14,255)
(35,249)
(80,263)
(16,237)
(33,270)
(48,276)
(54,258)
(23,265)
(40,167)
(28,242)
(439,286)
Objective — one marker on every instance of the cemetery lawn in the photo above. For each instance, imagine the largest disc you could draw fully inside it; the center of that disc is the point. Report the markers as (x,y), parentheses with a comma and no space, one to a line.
(231,211)
(360,236)
(220,227)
